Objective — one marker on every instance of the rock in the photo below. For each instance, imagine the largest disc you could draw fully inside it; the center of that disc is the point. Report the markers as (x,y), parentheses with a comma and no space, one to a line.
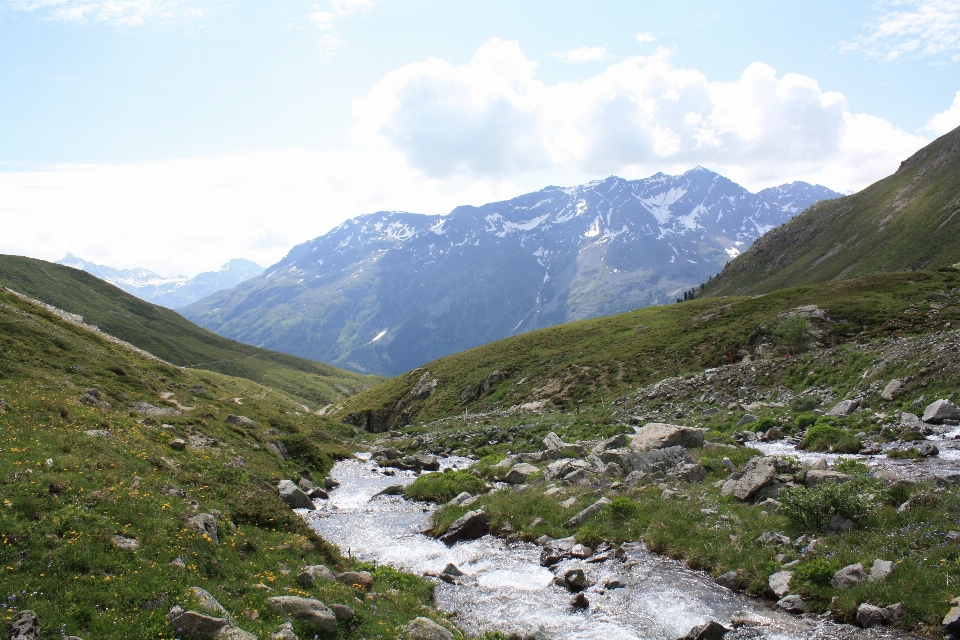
(658,435)
(837,524)
(712,630)
(730,580)
(98,433)
(578,519)
(614,582)
(126,544)
(194,624)
(668,494)
(318,494)
(844,408)
(816,477)
(881,569)
(616,442)
(425,386)
(359,579)
(452,570)
(892,389)
(772,537)
(330,484)
(575,579)
(204,523)
(581,552)
(207,602)
(927,449)
(392,490)
(937,412)
(309,611)
(579,601)
(178,444)
(894,612)
(500,469)
(519,473)
(241,421)
(426,629)
(427,462)
(310,574)
(553,442)
(285,632)
(791,604)
(952,620)
(342,612)
(747,419)
(849,576)
(780,583)
(757,473)
(688,472)
(469,526)
(25,626)
(293,496)
(871,448)
(870,616)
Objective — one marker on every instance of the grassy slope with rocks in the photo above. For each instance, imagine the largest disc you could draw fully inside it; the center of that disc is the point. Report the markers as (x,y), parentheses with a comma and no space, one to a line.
(870,331)
(909,220)
(66,493)
(599,360)
(168,335)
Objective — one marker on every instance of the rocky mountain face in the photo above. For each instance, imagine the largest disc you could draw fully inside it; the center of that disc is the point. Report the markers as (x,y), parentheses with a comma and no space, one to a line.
(907,221)
(172,292)
(389,291)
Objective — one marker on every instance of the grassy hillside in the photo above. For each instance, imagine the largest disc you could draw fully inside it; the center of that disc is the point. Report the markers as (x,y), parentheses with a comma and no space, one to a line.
(599,360)
(168,335)
(75,473)
(909,220)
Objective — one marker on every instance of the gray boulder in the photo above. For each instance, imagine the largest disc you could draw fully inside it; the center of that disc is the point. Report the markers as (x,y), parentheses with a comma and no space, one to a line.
(469,526)
(578,519)
(126,544)
(730,580)
(779,583)
(659,435)
(25,626)
(851,575)
(293,496)
(688,472)
(937,412)
(313,573)
(844,408)
(881,569)
(553,441)
(747,419)
(712,630)
(816,477)
(519,473)
(311,612)
(204,523)
(285,632)
(892,389)
(575,579)
(952,620)
(756,474)
(342,612)
(870,616)
(195,624)
(426,629)
(207,602)
(791,604)
(241,421)
(360,579)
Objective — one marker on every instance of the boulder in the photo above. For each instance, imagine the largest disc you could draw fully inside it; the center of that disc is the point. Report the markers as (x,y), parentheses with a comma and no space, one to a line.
(816,477)
(310,574)
(837,524)
(730,580)
(774,538)
(330,484)
(469,526)
(241,421)
(580,601)
(870,616)
(564,467)
(178,444)
(342,612)
(616,442)
(952,620)
(849,576)
(194,624)
(553,442)
(659,435)
(688,472)
(927,449)
(892,389)
(575,579)
(844,408)
(293,496)
(207,602)
(233,633)
(937,412)
(881,569)
(311,612)
(578,519)
(747,419)
(780,583)
(284,632)
(712,630)
(425,386)
(519,473)
(791,604)
(427,462)
(25,626)
(360,579)
(756,474)
(204,523)
(392,490)
(426,629)
(126,544)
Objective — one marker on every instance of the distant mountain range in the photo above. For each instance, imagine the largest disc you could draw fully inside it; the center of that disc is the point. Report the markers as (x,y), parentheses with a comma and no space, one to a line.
(172,292)
(907,221)
(388,291)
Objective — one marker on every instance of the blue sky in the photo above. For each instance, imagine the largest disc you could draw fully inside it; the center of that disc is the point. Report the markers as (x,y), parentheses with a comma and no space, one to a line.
(177,134)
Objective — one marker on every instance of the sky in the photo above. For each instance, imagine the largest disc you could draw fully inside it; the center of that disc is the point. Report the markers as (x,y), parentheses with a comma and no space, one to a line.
(175,135)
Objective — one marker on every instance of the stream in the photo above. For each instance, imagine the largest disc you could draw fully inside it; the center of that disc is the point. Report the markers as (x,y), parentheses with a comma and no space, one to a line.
(505,588)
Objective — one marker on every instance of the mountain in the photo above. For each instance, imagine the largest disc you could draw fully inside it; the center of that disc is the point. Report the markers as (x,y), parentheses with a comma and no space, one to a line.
(909,220)
(172,292)
(168,335)
(389,291)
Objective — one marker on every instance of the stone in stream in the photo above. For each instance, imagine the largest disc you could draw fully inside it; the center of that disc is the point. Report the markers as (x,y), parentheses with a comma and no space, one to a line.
(870,616)
(575,579)
(849,576)
(578,519)
(359,579)
(730,580)
(712,630)
(25,626)
(791,604)
(937,412)
(452,570)
(310,574)
(330,484)
(427,629)
(293,496)
(392,490)
(469,526)
(311,612)
(206,524)
(780,583)
(659,435)
(579,601)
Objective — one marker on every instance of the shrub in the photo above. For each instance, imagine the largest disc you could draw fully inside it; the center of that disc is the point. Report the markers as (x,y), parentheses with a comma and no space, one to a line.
(813,573)
(805,403)
(813,508)
(851,467)
(305,451)
(622,509)
(792,332)
(911,453)
(823,437)
(442,487)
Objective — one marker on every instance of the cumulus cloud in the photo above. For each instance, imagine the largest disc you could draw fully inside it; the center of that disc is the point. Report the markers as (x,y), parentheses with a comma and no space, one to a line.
(124,13)
(581,55)
(947,120)
(326,20)
(493,118)
(645,36)
(917,28)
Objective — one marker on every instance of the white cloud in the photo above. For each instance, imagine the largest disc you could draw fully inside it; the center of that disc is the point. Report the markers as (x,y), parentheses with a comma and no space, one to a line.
(912,28)
(492,118)
(123,13)
(581,55)
(645,36)
(947,120)
(326,20)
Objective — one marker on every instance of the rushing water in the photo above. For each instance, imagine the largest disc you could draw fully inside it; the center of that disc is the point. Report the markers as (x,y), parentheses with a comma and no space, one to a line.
(506,589)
